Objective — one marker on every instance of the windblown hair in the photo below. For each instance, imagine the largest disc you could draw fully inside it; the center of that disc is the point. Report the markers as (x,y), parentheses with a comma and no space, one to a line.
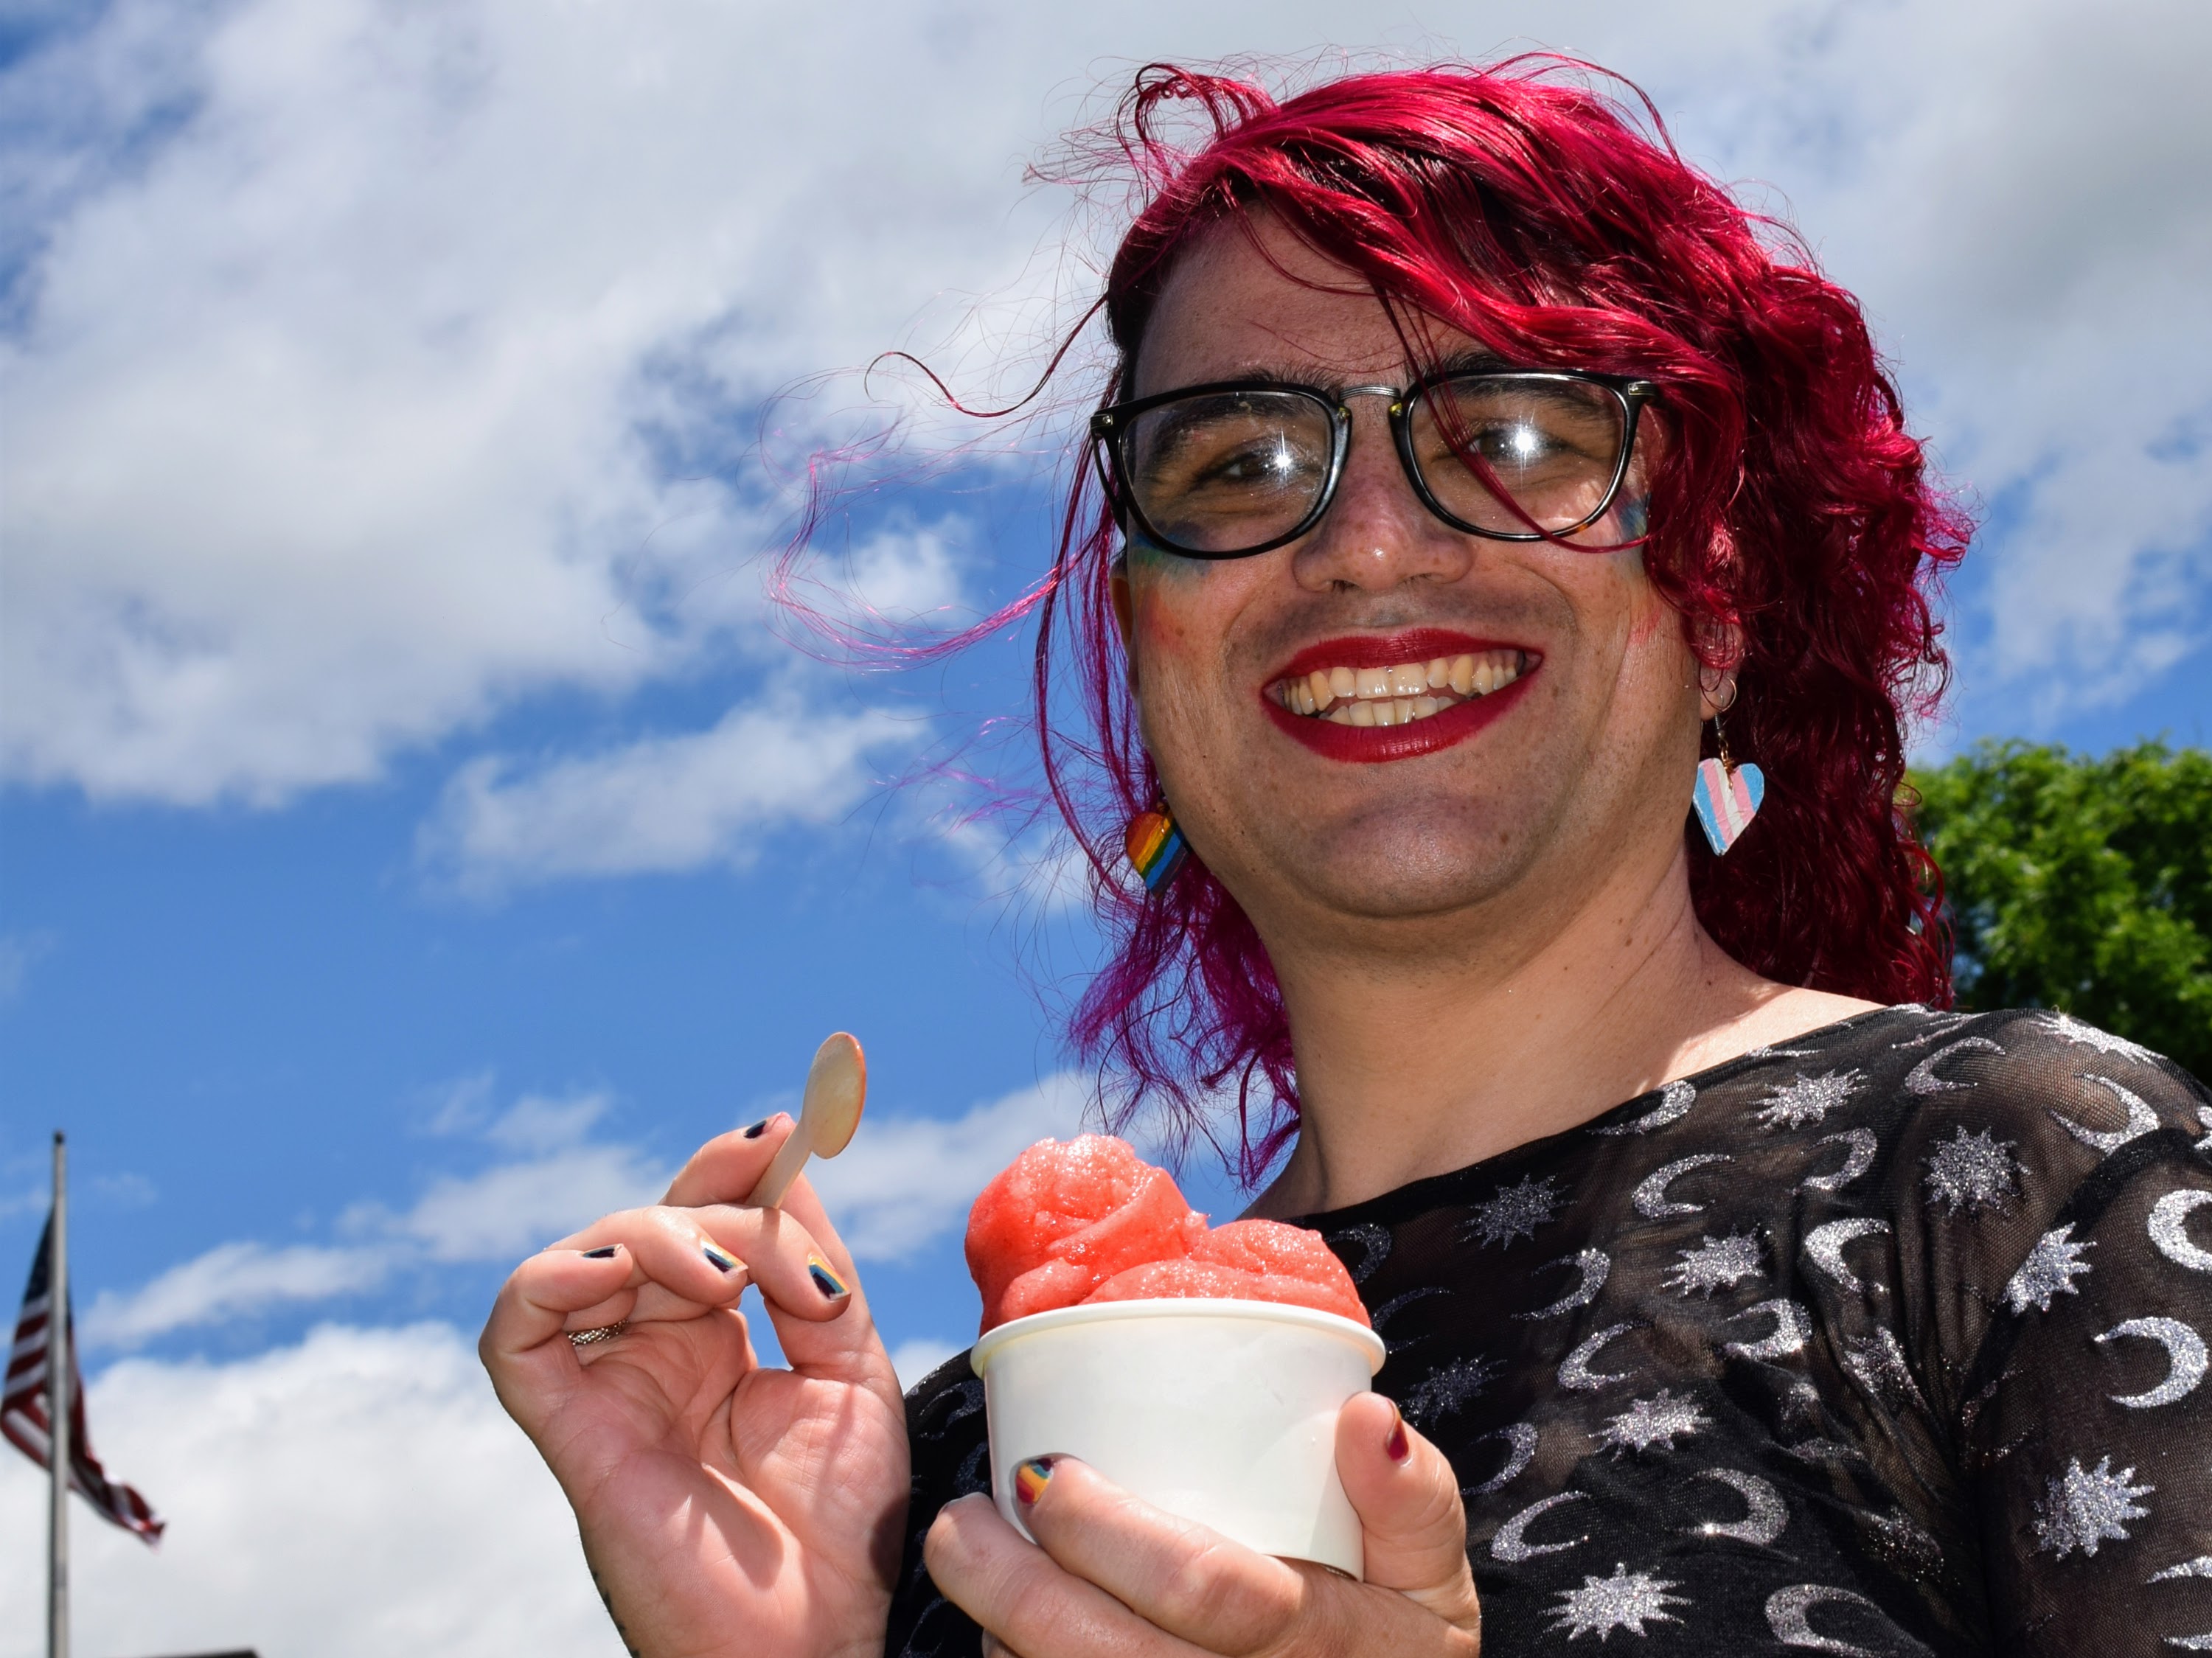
(1559,226)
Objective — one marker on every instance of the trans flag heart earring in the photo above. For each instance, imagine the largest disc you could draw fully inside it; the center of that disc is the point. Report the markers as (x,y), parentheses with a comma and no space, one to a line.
(1155,847)
(1727,795)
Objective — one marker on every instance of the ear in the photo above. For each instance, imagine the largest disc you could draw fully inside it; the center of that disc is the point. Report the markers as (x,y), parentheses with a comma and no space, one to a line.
(1117,583)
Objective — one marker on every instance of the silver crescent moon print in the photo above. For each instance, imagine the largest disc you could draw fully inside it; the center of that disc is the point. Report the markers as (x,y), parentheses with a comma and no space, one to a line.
(1923,1079)
(1674,1102)
(1575,1374)
(1824,1248)
(1789,1615)
(2185,1359)
(1520,1451)
(1765,1515)
(2142,1120)
(1790,1323)
(1858,1157)
(1594,1265)
(2169,1230)
(1508,1544)
(1650,1198)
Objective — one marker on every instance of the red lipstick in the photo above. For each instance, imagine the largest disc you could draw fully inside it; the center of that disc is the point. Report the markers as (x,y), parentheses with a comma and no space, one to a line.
(1374,744)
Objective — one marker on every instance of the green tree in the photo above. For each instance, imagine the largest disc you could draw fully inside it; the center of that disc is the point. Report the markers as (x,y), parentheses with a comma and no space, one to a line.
(2081,883)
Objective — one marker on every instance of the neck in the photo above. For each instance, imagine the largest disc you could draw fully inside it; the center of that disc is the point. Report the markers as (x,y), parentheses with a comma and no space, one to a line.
(1504,1029)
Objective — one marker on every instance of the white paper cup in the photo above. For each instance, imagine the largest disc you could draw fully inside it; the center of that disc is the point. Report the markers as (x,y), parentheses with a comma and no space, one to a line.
(1222,1411)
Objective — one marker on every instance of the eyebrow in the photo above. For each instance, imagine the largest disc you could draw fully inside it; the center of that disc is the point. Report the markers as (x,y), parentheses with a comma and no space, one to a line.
(1473,359)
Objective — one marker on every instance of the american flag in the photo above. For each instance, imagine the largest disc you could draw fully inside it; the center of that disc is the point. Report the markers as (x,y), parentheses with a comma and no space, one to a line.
(23,1406)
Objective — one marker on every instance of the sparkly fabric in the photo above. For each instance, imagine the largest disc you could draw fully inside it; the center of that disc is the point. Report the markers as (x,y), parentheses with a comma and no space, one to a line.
(1891,1340)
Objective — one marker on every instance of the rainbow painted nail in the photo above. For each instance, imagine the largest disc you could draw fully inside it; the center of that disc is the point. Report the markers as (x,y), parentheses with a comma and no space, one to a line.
(1030,1480)
(718,1260)
(825,1280)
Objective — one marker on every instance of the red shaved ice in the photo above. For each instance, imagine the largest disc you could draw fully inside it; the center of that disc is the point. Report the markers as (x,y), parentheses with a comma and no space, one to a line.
(1087,1220)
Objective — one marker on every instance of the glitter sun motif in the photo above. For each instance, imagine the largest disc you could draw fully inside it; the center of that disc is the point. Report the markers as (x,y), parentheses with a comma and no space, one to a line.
(2068,1029)
(1807,1100)
(2084,1507)
(1716,1264)
(2050,1270)
(1624,1600)
(1972,1172)
(1516,1211)
(1449,1388)
(1655,1421)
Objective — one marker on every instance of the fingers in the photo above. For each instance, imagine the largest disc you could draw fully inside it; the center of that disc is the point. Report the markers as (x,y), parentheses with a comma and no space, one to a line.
(689,1260)
(1407,1499)
(531,1367)
(727,1168)
(1111,1575)
(1025,1600)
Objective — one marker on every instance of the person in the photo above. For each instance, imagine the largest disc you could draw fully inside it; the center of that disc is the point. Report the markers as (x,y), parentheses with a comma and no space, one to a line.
(1481,488)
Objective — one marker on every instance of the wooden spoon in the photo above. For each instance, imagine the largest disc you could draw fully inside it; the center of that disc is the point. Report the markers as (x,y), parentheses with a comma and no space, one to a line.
(836,1089)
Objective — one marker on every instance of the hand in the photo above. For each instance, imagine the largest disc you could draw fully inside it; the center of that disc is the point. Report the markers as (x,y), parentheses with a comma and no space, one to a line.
(724,1507)
(1109,1575)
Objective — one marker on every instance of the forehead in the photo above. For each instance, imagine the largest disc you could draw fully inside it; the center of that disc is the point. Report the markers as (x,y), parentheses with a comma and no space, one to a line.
(1230,309)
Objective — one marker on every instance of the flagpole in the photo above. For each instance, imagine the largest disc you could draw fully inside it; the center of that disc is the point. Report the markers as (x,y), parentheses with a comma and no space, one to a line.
(58,1368)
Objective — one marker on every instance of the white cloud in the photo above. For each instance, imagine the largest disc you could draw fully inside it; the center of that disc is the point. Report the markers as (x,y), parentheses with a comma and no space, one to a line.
(663,803)
(443,394)
(229,1281)
(357,1494)
(507,1212)
(915,1359)
(906,1181)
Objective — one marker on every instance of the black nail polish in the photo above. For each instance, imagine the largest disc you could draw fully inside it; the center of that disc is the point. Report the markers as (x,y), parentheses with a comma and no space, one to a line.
(758,1129)
(825,1280)
(717,1260)
(604,1251)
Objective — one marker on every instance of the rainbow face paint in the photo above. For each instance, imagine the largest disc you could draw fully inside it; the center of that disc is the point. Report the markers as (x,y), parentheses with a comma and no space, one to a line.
(1156,848)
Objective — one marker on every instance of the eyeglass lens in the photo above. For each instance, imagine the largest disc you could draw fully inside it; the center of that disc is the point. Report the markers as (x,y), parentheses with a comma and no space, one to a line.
(1221,472)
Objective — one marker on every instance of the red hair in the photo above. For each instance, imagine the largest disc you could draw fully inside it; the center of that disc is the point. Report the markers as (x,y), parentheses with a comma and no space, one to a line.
(1559,228)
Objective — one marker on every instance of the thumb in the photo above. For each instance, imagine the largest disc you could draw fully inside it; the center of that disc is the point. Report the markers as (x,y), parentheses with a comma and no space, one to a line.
(1407,1499)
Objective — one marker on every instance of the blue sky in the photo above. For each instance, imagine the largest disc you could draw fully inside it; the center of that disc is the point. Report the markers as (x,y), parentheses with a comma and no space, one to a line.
(416,834)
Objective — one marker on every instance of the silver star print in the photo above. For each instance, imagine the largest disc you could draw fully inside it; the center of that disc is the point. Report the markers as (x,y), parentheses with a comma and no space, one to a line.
(1973,1172)
(1806,1100)
(1624,1600)
(1655,1421)
(2068,1029)
(2204,1121)
(2050,1270)
(1449,1388)
(1716,1264)
(2084,1507)
(1516,1211)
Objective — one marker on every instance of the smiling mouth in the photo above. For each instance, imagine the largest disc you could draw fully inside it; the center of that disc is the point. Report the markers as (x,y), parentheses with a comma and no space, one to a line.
(1400,695)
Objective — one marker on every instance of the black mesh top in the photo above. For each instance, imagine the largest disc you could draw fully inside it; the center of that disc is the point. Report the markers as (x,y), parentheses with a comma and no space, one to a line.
(1891,1341)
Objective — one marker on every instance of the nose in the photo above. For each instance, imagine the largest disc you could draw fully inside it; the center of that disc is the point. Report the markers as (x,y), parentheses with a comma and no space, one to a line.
(1376,536)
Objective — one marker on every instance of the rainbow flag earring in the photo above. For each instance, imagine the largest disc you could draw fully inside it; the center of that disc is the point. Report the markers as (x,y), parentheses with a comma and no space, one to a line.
(1727,795)
(1155,847)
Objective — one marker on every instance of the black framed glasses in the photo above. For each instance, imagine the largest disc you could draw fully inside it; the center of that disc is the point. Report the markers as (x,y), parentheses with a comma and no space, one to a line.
(1238,467)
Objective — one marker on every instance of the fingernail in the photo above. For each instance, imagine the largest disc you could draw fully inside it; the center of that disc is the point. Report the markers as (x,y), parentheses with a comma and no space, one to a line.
(825,1280)
(1030,1480)
(717,1260)
(1397,1448)
(758,1129)
(604,1251)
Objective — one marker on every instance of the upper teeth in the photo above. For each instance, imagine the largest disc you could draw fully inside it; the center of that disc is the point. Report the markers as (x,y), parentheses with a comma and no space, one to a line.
(1397,696)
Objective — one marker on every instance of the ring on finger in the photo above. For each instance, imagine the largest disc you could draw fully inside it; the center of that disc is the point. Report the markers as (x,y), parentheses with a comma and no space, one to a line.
(581,1339)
